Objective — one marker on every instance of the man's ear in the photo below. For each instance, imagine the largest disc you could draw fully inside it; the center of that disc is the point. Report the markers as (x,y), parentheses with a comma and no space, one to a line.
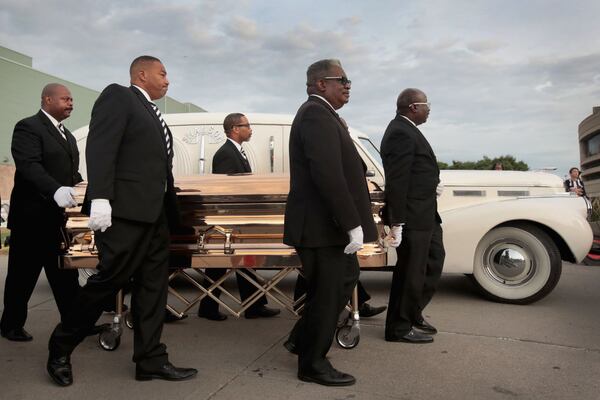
(320,85)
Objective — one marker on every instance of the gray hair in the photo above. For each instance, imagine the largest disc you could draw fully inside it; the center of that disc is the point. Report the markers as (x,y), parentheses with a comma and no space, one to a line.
(320,69)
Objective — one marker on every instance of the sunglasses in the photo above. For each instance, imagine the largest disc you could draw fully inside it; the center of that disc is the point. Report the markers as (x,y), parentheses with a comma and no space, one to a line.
(341,79)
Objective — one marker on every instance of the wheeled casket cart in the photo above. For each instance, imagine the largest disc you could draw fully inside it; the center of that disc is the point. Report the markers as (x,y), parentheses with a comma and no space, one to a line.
(233,222)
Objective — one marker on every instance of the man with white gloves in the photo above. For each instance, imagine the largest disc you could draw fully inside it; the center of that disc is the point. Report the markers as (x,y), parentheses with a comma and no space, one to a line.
(327,218)
(412,185)
(47,168)
(129,155)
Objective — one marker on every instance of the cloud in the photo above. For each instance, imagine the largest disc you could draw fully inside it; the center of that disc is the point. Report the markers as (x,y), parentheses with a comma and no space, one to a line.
(545,85)
(502,80)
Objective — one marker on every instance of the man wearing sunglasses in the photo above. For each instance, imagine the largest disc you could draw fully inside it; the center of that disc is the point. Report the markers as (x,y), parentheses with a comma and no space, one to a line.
(412,185)
(327,218)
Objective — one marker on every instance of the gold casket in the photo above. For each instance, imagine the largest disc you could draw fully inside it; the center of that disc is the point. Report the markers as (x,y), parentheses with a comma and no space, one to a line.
(225,216)
(229,221)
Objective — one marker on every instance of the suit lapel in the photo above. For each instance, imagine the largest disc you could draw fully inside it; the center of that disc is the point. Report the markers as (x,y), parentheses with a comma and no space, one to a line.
(420,135)
(53,131)
(240,157)
(331,110)
(149,109)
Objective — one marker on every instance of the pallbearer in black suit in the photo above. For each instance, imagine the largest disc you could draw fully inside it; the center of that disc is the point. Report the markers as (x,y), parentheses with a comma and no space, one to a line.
(232,159)
(130,184)
(412,185)
(47,168)
(327,218)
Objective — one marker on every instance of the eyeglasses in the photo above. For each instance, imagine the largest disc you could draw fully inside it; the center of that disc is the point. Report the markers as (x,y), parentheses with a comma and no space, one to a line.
(246,125)
(428,104)
(341,79)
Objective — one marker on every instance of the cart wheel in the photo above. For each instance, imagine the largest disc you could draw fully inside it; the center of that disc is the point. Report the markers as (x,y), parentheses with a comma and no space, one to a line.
(347,337)
(129,320)
(109,340)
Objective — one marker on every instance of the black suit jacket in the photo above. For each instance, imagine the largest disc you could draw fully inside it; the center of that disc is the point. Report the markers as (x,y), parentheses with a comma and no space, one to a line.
(328,189)
(44,162)
(411,176)
(126,157)
(228,160)
(568,184)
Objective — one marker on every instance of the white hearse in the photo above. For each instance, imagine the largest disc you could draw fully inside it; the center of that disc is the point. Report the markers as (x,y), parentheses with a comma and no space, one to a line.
(509,230)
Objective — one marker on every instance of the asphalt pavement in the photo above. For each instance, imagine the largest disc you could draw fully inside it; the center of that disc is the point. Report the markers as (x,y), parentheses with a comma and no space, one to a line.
(484,350)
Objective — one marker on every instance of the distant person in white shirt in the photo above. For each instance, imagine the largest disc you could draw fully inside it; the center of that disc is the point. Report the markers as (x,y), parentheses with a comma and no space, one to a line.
(574,183)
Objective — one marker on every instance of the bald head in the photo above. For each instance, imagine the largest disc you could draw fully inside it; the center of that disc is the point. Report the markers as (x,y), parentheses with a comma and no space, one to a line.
(57,101)
(407,97)
(412,103)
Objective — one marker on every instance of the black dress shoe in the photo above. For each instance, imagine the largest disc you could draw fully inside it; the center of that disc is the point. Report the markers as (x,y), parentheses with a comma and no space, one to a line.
(60,370)
(329,378)
(290,346)
(17,335)
(170,317)
(262,312)
(425,327)
(213,316)
(167,371)
(366,310)
(412,336)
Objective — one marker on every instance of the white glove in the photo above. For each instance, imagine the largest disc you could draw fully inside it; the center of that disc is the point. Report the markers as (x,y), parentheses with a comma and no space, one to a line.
(356,240)
(100,215)
(394,238)
(65,197)
(439,189)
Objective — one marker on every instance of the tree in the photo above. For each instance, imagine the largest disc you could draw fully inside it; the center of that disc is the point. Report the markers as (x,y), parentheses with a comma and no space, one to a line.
(509,163)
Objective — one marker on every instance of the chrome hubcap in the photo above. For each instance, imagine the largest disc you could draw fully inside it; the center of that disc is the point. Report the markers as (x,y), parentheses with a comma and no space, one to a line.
(509,263)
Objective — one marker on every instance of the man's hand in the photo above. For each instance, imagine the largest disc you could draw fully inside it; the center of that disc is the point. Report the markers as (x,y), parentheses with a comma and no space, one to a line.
(100,215)
(356,240)
(65,197)
(394,238)
(439,189)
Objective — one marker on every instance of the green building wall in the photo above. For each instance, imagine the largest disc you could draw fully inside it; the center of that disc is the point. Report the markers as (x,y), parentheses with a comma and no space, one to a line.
(20,89)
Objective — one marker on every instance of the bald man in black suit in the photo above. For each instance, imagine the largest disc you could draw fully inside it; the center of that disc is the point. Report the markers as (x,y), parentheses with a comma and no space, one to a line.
(47,168)
(412,184)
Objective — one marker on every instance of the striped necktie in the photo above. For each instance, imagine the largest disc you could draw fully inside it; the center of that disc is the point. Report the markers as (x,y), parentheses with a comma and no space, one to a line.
(243,153)
(164,126)
(61,129)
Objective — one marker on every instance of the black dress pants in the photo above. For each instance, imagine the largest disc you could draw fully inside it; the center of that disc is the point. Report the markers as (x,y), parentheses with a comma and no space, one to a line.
(128,249)
(418,269)
(246,289)
(29,252)
(300,290)
(331,276)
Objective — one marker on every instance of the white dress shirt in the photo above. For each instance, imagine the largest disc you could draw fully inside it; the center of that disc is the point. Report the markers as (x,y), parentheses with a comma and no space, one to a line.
(55,123)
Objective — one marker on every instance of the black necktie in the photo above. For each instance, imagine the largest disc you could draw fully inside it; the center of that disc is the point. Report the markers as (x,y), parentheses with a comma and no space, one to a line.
(164,126)
(243,153)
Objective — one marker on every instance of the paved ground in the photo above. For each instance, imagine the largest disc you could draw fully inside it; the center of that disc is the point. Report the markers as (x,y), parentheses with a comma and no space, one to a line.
(548,350)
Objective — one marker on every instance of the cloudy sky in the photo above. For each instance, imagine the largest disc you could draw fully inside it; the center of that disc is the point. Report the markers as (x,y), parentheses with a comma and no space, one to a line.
(505,77)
